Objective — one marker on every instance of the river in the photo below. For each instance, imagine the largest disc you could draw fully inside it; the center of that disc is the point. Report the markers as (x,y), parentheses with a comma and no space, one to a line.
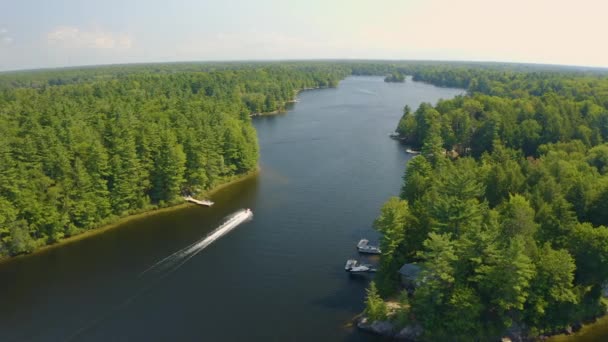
(327,166)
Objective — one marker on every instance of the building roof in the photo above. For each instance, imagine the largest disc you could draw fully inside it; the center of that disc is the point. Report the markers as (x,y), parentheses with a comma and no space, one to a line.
(410,271)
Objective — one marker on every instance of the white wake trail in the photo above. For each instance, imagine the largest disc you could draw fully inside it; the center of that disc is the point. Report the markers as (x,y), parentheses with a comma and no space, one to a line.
(184,254)
(173,261)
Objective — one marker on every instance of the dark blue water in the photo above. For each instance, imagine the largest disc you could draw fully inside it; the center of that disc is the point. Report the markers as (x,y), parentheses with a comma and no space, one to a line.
(326,168)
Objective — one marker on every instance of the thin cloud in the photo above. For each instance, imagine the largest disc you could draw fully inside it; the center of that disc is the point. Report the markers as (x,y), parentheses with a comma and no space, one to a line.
(259,45)
(74,37)
(5,39)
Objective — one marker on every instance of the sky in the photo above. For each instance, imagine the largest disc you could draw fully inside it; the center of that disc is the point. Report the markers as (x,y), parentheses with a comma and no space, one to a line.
(44,33)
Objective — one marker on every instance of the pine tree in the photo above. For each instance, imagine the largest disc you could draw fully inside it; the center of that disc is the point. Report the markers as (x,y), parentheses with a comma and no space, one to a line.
(392,224)
(375,307)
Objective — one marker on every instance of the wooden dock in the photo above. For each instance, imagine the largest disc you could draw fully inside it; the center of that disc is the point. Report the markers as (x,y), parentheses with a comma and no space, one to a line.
(205,203)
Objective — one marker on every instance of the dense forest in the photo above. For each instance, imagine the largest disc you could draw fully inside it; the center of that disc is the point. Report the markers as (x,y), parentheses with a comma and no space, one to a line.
(505,210)
(80,147)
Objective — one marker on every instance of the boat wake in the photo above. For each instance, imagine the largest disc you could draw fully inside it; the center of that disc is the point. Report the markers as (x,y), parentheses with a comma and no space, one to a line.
(365,91)
(177,259)
(170,264)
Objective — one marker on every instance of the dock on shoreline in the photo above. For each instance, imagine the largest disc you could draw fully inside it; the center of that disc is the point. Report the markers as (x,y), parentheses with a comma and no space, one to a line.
(205,203)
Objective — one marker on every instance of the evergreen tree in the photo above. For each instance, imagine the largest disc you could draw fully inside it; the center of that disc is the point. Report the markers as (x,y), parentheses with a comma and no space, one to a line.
(392,223)
(375,308)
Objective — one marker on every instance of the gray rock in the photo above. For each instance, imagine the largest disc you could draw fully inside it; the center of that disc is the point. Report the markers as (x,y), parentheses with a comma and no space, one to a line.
(362,323)
(383,328)
(410,333)
(515,333)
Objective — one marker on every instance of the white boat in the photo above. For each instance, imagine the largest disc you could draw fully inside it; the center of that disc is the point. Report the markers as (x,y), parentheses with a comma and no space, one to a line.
(394,135)
(364,247)
(350,263)
(410,151)
(352,266)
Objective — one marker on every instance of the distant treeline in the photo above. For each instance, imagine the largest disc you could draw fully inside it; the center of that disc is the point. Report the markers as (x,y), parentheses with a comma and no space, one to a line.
(79,147)
(506,209)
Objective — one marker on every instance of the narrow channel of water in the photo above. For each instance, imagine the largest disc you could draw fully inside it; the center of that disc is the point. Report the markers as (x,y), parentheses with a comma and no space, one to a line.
(327,167)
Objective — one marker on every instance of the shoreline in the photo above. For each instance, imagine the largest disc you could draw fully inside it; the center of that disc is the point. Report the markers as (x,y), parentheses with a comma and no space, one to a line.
(233,180)
(144,212)
(284,108)
(139,214)
(114,222)
(587,332)
(274,112)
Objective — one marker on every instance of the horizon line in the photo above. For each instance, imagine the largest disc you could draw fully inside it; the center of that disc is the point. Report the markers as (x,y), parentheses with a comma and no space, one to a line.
(345,59)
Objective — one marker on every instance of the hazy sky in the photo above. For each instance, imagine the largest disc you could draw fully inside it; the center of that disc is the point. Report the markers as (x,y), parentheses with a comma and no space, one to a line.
(47,33)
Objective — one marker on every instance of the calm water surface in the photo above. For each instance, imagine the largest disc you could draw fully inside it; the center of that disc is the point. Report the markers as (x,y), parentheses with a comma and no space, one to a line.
(327,167)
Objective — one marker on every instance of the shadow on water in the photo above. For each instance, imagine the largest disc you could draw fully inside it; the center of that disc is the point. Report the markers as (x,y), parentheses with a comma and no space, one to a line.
(340,296)
(352,287)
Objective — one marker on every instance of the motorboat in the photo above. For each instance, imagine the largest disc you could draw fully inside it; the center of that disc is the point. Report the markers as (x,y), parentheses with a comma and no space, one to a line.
(354,267)
(364,247)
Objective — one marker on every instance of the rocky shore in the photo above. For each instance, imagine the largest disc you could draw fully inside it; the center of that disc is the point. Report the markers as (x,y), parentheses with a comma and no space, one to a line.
(388,329)
(412,332)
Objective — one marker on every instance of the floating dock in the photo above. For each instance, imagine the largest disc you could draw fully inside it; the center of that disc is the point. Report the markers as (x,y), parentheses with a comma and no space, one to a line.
(205,203)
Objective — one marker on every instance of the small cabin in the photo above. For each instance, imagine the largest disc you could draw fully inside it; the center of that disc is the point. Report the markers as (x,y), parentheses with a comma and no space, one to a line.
(409,274)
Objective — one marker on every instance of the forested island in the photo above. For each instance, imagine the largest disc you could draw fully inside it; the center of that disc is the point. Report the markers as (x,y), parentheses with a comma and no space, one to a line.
(504,212)
(395,76)
(82,147)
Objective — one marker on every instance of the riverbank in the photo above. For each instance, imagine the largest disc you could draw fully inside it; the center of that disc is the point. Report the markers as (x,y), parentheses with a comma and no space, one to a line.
(117,221)
(274,112)
(284,108)
(589,332)
(389,329)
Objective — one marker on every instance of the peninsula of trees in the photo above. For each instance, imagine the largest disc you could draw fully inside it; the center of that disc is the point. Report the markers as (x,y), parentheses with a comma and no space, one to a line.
(80,147)
(505,210)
